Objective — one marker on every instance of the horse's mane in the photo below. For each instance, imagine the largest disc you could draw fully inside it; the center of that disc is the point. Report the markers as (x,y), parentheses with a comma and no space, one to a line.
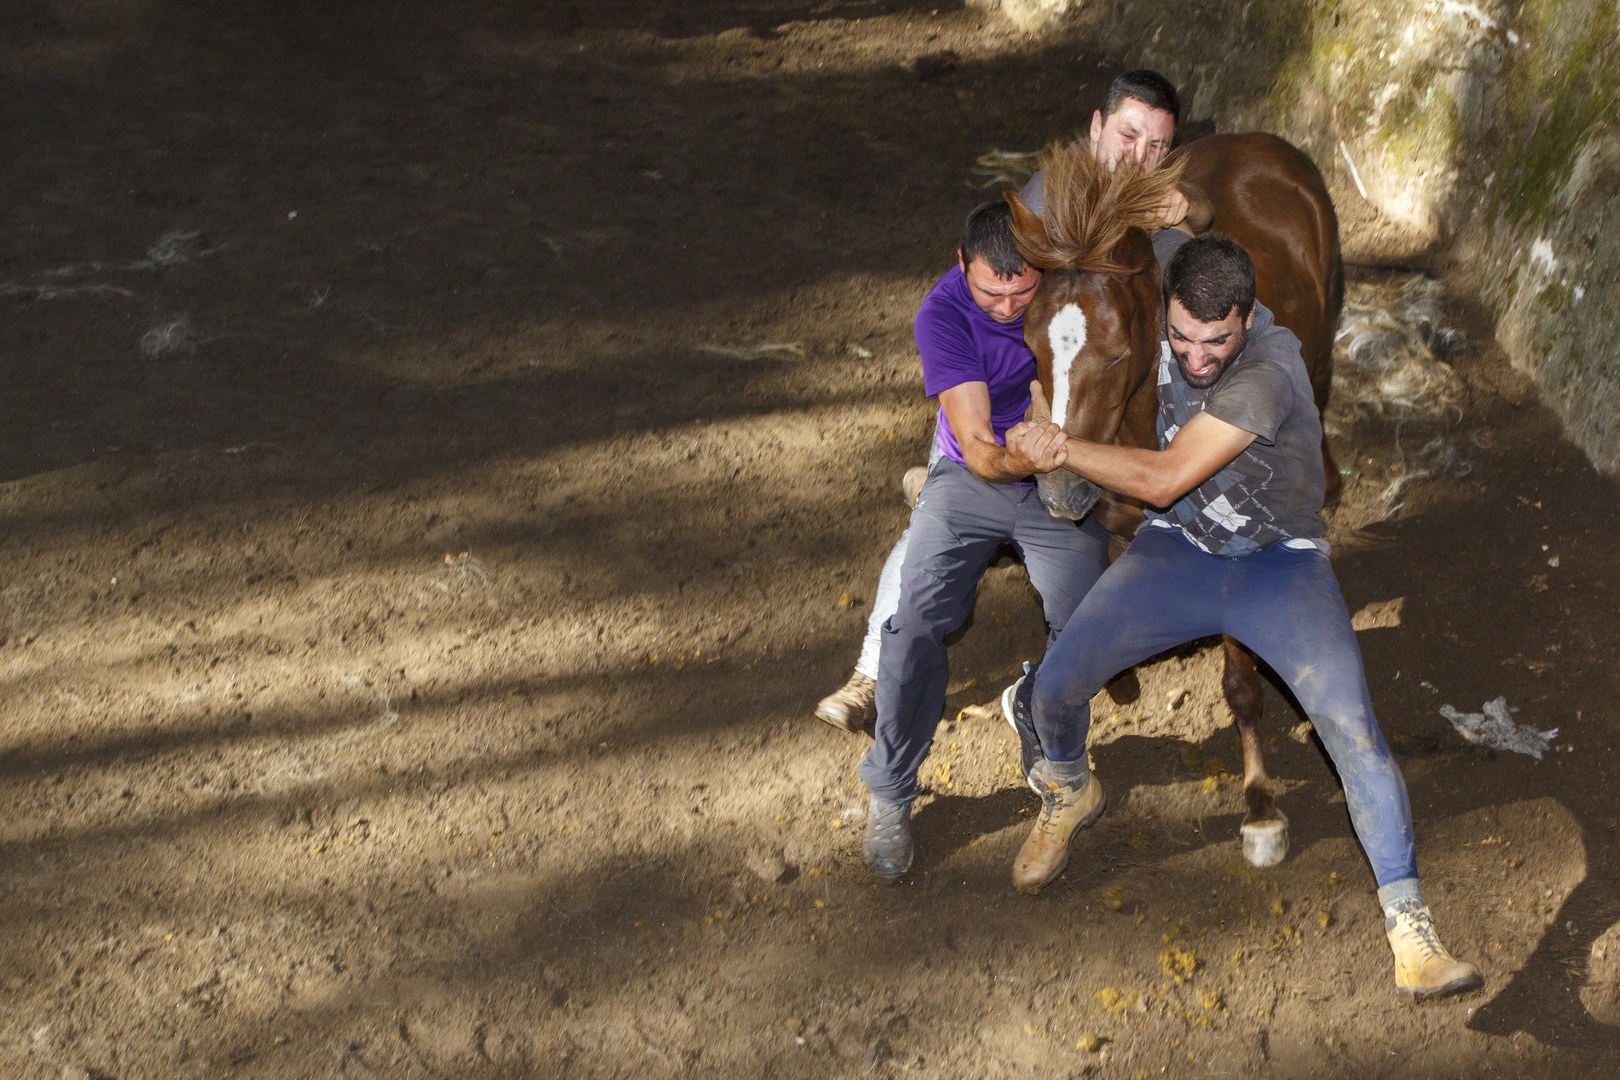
(1089,208)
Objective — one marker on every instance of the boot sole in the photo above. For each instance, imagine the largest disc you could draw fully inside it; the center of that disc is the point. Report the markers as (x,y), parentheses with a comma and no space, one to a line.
(1063,864)
(1007,707)
(1416,994)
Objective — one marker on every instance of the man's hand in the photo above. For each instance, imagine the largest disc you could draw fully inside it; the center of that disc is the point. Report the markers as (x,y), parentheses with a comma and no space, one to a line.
(1173,211)
(1043,446)
(1040,410)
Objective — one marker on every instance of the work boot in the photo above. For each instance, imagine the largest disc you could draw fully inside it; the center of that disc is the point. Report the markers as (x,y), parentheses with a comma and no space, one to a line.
(911,484)
(1066,807)
(852,706)
(887,841)
(1423,967)
(1015,707)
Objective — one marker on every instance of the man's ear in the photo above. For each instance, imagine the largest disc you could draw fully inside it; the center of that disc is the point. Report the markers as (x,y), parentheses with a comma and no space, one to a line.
(959,261)
(1248,324)
(1096,125)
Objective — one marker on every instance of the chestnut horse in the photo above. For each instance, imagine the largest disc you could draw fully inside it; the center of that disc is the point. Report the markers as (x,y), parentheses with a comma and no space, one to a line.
(1095,367)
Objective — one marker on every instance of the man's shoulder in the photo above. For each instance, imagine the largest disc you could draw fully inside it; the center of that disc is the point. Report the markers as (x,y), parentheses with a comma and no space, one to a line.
(1274,345)
(1165,243)
(946,297)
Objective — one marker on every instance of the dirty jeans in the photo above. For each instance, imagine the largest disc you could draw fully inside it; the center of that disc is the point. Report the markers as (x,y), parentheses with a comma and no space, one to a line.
(956,528)
(1284,604)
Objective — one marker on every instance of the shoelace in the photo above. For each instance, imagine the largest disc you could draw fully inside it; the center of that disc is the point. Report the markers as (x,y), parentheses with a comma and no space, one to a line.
(1420,926)
(850,694)
(889,818)
(1051,805)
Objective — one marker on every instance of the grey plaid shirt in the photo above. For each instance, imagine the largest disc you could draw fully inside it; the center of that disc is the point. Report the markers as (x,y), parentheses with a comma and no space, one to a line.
(1272,492)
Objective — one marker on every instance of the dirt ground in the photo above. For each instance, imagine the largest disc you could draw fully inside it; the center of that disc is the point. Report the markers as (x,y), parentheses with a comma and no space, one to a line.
(437,441)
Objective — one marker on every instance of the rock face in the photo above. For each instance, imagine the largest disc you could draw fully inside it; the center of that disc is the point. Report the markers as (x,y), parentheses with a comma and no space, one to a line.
(1482,133)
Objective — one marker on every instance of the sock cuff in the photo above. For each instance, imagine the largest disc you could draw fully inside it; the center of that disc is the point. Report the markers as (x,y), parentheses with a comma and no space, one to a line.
(1068,772)
(1395,893)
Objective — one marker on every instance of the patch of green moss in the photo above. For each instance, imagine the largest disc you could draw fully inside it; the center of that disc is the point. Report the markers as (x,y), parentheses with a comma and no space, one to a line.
(1574,94)
(1414,127)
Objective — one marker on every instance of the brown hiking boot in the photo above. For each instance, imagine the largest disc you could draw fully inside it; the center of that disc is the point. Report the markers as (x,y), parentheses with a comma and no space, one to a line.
(1423,967)
(852,706)
(1065,810)
(912,483)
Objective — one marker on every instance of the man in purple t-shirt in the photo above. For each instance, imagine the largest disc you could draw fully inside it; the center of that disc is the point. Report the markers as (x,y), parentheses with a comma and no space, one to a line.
(979,495)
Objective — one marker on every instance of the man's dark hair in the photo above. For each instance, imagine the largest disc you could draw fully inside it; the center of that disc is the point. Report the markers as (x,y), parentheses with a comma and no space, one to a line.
(1147,86)
(988,235)
(1211,275)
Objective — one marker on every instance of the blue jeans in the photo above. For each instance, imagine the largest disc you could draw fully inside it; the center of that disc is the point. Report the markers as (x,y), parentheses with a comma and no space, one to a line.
(1284,604)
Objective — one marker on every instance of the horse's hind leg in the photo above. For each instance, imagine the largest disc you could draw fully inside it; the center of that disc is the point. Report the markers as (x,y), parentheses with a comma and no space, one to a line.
(1265,829)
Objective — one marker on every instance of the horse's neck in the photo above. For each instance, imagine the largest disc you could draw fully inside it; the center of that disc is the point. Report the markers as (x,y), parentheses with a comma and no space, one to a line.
(1139,430)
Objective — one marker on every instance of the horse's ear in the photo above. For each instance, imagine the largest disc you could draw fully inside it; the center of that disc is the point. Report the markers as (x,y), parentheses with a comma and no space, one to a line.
(1029,231)
(1134,252)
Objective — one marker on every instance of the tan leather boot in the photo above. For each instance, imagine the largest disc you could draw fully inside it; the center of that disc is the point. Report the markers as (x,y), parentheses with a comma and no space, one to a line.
(1424,968)
(852,706)
(1065,810)
(911,484)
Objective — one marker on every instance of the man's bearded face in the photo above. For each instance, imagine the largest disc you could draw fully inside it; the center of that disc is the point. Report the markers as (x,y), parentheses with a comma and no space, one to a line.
(1204,350)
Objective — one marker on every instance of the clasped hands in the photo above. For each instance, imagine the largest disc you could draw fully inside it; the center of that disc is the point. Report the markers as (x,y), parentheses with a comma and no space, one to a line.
(1038,443)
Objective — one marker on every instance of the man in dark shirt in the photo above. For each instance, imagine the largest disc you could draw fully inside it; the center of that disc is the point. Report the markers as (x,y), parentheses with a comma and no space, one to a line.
(1236,549)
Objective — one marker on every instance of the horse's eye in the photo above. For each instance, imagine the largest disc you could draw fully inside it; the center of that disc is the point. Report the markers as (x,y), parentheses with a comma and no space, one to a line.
(1115,360)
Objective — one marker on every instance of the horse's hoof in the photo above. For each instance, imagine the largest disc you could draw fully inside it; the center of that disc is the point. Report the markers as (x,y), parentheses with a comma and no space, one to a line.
(1265,843)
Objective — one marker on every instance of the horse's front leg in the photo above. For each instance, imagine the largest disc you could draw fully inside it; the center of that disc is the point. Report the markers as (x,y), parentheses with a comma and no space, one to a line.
(1265,829)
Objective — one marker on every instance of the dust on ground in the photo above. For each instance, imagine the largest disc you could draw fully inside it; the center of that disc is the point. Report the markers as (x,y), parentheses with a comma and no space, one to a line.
(437,440)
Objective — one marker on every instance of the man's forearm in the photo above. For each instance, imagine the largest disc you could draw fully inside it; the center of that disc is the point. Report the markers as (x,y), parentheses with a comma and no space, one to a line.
(992,463)
(1139,474)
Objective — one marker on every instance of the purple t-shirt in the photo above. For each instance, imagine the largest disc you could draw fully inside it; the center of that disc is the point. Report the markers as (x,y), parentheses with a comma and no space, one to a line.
(959,344)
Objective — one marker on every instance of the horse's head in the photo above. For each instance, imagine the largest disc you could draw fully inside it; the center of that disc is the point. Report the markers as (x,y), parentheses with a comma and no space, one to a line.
(1094,322)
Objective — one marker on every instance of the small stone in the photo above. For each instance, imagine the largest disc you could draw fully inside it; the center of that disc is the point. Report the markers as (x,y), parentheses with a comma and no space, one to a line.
(847,600)
(75,1072)
(1089,1043)
(766,864)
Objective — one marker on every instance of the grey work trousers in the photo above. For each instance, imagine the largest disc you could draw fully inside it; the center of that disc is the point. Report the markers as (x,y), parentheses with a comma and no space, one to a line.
(959,522)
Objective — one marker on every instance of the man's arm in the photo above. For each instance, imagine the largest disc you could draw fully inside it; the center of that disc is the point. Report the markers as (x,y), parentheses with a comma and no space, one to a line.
(967,408)
(1200,211)
(1202,447)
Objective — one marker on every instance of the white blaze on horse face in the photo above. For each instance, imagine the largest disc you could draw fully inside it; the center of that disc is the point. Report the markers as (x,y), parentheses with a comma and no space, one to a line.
(1067,335)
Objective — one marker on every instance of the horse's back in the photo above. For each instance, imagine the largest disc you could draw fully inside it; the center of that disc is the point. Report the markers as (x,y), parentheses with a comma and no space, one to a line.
(1270,197)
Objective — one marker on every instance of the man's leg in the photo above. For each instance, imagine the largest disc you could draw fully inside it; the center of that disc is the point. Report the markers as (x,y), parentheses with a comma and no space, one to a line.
(1161,592)
(854,705)
(884,604)
(958,523)
(1064,560)
(1285,605)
